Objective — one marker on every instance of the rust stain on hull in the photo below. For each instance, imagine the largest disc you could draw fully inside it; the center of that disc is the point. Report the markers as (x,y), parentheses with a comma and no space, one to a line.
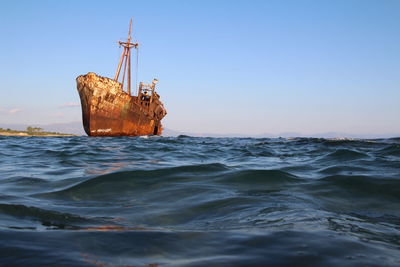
(107,110)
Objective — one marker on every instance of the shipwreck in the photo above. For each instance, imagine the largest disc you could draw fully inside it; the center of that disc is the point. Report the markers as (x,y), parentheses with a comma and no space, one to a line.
(109,108)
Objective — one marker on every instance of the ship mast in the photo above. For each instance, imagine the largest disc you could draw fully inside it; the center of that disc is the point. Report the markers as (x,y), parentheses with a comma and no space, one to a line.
(126,60)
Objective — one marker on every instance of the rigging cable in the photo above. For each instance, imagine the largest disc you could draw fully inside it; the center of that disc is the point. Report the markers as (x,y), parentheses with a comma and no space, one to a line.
(137,68)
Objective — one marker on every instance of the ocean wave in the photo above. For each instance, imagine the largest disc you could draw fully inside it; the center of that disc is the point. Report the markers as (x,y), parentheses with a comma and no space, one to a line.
(345,154)
(341,169)
(192,248)
(47,218)
(351,188)
(390,150)
(394,139)
(109,185)
(259,177)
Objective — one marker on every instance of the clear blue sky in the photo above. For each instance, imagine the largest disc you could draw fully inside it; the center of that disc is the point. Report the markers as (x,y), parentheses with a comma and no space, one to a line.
(224,66)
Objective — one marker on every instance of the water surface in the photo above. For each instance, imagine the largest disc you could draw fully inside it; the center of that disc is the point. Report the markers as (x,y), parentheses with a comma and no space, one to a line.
(185,201)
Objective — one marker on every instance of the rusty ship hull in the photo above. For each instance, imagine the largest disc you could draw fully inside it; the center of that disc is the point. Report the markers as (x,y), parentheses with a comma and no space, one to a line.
(107,110)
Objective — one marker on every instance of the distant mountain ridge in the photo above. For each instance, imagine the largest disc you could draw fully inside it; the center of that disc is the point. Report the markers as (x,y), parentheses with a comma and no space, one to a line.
(77,129)
(169,132)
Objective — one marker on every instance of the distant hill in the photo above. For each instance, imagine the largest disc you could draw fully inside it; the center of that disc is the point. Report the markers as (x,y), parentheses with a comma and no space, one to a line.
(169,132)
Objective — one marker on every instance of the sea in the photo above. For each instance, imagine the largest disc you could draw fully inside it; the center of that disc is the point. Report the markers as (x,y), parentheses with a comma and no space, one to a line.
(192,201)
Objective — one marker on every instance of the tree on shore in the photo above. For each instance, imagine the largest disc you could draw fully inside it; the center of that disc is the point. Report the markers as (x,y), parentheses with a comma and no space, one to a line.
(34,130)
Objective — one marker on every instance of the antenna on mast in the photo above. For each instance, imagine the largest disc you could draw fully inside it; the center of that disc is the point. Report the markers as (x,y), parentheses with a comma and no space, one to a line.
(126,56)
(130,31)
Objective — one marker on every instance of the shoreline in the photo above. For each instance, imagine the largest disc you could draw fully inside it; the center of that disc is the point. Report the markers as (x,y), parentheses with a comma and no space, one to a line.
(37,135)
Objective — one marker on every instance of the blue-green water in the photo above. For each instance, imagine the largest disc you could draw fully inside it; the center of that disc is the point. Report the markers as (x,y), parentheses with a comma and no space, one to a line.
(185,201)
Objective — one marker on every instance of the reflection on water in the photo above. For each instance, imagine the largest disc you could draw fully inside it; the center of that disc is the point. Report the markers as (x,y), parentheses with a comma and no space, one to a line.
(114,166)
(91,259)
(113,228)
